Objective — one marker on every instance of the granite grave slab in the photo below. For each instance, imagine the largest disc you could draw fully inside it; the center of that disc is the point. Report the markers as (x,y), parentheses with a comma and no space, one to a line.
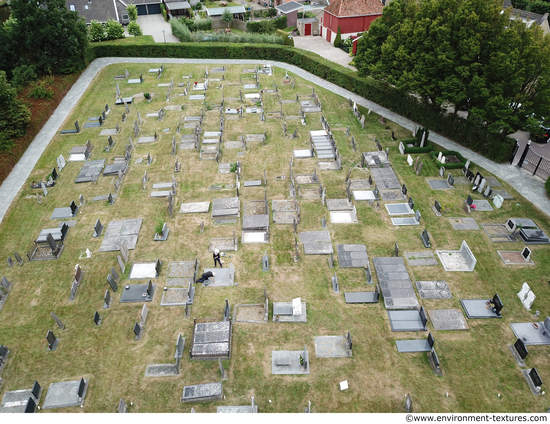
(448,319)
(433,289)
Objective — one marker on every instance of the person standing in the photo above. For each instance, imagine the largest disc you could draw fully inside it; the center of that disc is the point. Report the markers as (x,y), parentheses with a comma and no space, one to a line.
(217,260)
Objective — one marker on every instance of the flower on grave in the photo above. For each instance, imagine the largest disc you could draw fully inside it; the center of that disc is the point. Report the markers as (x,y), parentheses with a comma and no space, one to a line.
(301,360)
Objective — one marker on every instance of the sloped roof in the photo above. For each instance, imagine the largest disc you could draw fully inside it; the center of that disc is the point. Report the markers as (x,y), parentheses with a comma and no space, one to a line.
(527,17)
(98,10)
(343,8)
(218,11)
(289,7)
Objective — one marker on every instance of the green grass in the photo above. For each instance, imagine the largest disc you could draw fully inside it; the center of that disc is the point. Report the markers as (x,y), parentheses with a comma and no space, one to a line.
(142,39)
(476,363)
(214,4)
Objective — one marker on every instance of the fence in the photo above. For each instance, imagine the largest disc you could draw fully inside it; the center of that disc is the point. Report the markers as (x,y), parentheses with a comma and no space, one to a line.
(535,163)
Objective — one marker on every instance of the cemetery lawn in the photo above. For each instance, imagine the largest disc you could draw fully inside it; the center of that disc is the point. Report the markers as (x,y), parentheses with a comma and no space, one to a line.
(477,364)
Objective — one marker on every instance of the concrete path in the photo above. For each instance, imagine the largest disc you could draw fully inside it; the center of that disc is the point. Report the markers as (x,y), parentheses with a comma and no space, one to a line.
(532,188)
(154,25)
(323,48)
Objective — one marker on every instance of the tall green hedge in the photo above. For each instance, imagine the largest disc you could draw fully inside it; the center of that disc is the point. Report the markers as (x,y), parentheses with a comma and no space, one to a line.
(455,128)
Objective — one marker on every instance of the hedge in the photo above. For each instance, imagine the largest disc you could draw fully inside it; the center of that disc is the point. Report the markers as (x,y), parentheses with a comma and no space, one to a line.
(547,186)
(426,149)
(449,165)
(456,128)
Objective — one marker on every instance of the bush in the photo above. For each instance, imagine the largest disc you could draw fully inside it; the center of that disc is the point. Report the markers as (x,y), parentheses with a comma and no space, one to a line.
(260,27)
(22,75)
(5,142)
(280,22)
(271,12)
(40,91)
(14,115)
(449,165)
(132,12)
(96,31)
(227,17)
(426,149)
(147,96)
(114,30)
(163,11)
(202,24)
(338,38)
(458,129)
(134,29)
(546,185)
(180,30)
(287,40)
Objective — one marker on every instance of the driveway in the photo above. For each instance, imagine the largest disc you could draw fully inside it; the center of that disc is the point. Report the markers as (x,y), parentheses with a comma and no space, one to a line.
(154,25)
(323,48)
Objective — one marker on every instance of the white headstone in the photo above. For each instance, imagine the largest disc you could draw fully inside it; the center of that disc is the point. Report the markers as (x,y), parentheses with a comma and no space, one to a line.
(297,306)
(439,156)
(401,148)
(523,292)
(410,160)
(497,201)
(442,160)
(88,253)
(528,302)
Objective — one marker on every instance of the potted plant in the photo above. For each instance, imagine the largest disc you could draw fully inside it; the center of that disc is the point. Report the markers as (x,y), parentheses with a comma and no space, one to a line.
(147,97)
(158,228)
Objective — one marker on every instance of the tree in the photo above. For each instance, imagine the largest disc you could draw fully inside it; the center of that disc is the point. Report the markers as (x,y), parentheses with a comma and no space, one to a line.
(14,115)
(48,35)
(97,32)
(22,75)
(338,38)
(114,30)
(132,11)
(134,29)
(227,17)
(8,54)
(467,53)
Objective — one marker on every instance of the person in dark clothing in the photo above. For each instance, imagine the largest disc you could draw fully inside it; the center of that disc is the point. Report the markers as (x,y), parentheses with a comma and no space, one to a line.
(206,276)
(217,258)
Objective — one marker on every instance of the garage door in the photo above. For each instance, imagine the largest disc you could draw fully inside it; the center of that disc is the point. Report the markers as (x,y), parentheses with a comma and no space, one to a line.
(329,35)
(307,29)
(142,10)
(154,9)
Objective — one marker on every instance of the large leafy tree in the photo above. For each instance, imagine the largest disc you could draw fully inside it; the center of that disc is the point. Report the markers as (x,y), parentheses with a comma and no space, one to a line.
(14,115)
(466,53)
(49,36)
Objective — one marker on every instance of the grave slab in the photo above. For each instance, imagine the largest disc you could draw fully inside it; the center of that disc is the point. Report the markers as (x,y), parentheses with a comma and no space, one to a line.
(343,217)
(447,319)
(287,362)
(361,297)
(161,370)
(314,236)
(17,401)
(237,409)
(420,258)
(385,178)
(503,193)
(256,222)
(352,255)
(440,185)
(302,153)
(114,168)
(318,248)
(493,182)
(409,346)
(64,213)
(360,195)
(211,341)
(433,289)
(395,283)
(513,258)
(464,223)
(499,233)
(224,277)
(202,392)
(339,205)
(282,312)
(177,296)
(118,232)
(255,237)
(391,195)
(64,394)
(137,293)
(477,308)
(332,347)
(90,171)
(406,320)
(404,221)
(142,270)
(531,335)
(399,209)
(482,205)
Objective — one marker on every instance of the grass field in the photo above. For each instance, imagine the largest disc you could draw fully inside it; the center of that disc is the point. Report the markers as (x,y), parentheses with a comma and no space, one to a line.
(477,364)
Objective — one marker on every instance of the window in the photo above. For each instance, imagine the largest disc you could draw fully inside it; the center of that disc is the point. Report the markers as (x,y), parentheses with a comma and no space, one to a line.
(72,8)
(86,6)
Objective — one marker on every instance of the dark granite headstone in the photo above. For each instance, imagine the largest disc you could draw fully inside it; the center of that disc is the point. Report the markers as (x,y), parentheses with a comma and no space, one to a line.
(112,282)
(52,340)
(18,258)
(521,349)
(107,299)
(97,319)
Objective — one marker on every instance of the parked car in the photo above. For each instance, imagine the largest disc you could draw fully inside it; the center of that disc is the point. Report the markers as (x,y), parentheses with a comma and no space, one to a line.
(543,136)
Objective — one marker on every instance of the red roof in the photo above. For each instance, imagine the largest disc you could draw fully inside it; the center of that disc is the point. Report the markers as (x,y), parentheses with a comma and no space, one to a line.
(343,8)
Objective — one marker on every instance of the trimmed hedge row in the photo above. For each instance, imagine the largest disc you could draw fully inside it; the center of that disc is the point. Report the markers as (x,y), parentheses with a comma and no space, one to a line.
(449,165)
(453,127)
(425,149)
(547,186)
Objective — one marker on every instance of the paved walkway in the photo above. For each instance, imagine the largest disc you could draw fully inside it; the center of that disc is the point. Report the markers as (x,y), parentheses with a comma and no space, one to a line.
(154,25)
(323,48)
(532,188)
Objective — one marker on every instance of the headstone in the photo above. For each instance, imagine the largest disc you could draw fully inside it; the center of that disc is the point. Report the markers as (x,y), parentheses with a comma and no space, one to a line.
(416,164)
(137,331)
(408,404)
(98,228)
(97,319)
(368,274)
(401,148)
(450,180)
(121,264)
(442,172)
(124,252)
(521,349)
(410,160)
(44,190)
(57,321)
(437,206)
(110,199)
(331,260)
(52,340)
(396,250)
(419,170)
(498,200)
(122,407)
(112,282)
(114,273)
(10,262)
(526,254)
(18,258)
(425,238)
(107,299)
(535,379)
(265,262)
(144,313)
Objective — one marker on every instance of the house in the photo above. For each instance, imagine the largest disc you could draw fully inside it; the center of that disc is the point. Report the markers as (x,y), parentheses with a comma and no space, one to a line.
(529,18)
(289,9)
(308,26)
(217,12)
(147,7)
(99,10)
(352,16)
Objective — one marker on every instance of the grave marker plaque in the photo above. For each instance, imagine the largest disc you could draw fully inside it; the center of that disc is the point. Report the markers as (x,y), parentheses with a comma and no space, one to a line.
(107,299)
(10,262)
(121,264)
(97,319)
(112,282)
(408,404)
(521,349)
(57,321)
(52,340)
(396,250)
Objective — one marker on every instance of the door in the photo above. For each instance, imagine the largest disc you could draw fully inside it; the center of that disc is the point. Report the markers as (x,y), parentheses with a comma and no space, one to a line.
(329,35)
(154,9)
(142,10)
(307,29)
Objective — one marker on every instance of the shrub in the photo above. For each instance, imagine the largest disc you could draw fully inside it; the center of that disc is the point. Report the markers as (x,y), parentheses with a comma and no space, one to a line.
(159,225)
(132,11)
(338,38)
(287,40)
(271,12)
(96,31)
(5,142)
(280,22)
(134,29)
(40,91)
(180,30)
(114,30)
(202,24)
(227,17)
(22,75)
(260,27)
(546,185)
(14,115)
(147,96)
(163,11)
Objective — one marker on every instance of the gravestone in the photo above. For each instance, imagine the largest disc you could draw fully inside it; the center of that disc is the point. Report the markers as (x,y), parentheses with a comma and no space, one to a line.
(110,199)
(410,160)
(222,370)
(10,262)
(144,313)
(498,200)
(401,148)
(44,189)
(335,285)
(124,252)
(122,407)
(137,331)
(425,238)
(419,169)
(112,282)
(368,274)
(98,229)
(57,321)
(526,254)
(396,250)
(331,260)
(442,172)
(265,262)
(408,404)
(97,319)
(107,299)
(114,273)
(121,264)
(416,164)
(52,341)
(18,258)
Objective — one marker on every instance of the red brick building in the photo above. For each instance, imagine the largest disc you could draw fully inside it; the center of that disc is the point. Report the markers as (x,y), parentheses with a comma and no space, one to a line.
(353,16)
